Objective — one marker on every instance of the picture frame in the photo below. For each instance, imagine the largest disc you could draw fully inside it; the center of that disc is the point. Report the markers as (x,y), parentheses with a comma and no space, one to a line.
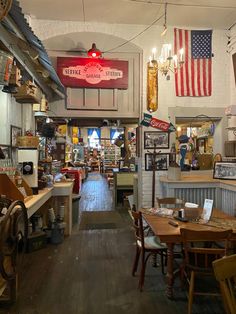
(15,132)
(156,139)
(224,170)
(161,161)
(5,152)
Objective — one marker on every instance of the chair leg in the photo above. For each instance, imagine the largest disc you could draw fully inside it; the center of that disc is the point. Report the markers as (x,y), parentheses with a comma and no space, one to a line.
(135,265)
(142,273)
(154,260)
(190,293)
(162,264)
(182,276)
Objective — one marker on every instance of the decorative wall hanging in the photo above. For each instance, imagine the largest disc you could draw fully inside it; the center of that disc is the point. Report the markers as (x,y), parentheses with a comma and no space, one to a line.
(161,161)
(224,170)
(157,124)
(152,86)
(15,132)
(195,77)
(156,139)
(92,73)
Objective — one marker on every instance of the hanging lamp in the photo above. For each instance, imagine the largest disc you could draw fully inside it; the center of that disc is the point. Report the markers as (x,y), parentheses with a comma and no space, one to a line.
(94,52)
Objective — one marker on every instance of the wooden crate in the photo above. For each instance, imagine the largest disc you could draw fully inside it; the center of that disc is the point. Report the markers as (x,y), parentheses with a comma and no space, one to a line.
(28,93)
(27,141)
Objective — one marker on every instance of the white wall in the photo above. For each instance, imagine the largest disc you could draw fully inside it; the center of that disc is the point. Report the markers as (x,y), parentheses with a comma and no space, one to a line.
(222,95)
(13,113)
(10,114)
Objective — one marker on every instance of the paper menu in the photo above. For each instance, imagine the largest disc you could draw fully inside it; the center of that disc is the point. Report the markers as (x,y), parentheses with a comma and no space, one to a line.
(207,210)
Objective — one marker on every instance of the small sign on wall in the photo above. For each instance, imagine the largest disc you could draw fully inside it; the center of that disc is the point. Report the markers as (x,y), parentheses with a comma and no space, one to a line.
(92,73)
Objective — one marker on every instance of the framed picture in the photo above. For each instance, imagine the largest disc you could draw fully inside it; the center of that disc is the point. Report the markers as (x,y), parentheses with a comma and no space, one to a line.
(156,139)
(5,152)
(15,132)
(224,170)
(161,161)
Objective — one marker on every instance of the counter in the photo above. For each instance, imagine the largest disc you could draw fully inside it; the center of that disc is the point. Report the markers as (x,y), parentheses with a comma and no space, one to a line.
(123,184)
(59,193)
(195,187)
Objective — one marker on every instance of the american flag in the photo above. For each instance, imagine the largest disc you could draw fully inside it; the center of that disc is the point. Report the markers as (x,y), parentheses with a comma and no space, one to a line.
(194,78)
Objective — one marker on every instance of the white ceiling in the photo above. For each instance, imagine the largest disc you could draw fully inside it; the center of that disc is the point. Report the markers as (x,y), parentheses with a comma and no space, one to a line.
(220,14)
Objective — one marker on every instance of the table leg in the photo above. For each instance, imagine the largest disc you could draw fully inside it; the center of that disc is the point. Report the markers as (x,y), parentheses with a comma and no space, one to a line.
(170,270)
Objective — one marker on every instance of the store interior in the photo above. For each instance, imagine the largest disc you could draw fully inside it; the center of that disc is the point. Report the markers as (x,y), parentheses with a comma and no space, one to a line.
(67,144)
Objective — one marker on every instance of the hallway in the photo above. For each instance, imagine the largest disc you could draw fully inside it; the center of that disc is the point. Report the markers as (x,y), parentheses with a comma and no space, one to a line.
(95,194)
(90,272)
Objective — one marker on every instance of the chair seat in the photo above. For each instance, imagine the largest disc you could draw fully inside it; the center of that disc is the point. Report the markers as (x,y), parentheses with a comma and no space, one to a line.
(152,243)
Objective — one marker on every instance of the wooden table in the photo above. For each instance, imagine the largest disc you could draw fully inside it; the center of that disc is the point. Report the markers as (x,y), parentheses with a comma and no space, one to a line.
(171,235)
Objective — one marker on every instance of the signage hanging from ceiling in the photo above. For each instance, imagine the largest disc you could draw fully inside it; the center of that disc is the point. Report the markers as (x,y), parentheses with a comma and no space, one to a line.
(92,73)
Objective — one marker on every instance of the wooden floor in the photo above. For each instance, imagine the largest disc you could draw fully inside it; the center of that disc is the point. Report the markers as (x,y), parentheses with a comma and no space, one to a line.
(90,273)
(95,194)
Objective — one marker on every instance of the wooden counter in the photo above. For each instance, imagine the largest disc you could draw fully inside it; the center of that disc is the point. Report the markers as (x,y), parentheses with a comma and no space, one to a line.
(194,187)
(60,193)
(123,182)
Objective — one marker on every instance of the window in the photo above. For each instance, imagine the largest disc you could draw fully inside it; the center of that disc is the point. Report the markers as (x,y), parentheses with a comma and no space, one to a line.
(94,140)
(114,133)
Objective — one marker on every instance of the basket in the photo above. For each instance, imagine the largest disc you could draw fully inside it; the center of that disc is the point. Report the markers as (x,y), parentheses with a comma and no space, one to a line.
(27,141)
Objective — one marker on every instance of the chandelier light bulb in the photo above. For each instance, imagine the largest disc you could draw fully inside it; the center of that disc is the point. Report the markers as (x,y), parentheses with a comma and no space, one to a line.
(175,60)
(154,50)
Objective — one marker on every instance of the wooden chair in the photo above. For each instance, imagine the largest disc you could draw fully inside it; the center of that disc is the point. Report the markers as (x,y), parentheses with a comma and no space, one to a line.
(13,239)
(146,246)
(225,272)
(199,253)
(170,202)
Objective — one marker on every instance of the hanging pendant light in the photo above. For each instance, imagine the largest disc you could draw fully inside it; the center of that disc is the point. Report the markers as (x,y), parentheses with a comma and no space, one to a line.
(94,52)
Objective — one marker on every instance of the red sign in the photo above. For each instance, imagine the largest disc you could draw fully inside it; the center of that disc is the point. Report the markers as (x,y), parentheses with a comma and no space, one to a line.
(159,124)
(92,73)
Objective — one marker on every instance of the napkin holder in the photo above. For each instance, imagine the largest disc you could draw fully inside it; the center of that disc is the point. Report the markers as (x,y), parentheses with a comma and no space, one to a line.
(191,212)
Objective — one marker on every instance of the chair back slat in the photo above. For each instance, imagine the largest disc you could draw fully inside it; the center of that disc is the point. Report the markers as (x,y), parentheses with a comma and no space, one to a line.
(168,202)
(138,226)
(199,247)
(225,273)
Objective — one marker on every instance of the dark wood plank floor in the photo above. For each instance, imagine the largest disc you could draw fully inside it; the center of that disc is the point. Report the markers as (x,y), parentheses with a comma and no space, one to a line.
(90,273)
(95,194)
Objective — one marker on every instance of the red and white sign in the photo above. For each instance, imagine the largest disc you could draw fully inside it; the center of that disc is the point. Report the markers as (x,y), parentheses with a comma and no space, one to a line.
(159,124)
(96,73)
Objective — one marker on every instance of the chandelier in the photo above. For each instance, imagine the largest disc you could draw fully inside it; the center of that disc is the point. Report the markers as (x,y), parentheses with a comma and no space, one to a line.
(167,62)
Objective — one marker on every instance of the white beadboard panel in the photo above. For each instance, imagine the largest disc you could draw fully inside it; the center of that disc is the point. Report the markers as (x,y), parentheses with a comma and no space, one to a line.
(75,98)
(147,187)
(91,99)
(10,115)
(108,99)
(228,201)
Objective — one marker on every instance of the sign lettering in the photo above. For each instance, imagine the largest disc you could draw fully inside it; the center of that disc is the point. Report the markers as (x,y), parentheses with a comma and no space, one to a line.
(99,73)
